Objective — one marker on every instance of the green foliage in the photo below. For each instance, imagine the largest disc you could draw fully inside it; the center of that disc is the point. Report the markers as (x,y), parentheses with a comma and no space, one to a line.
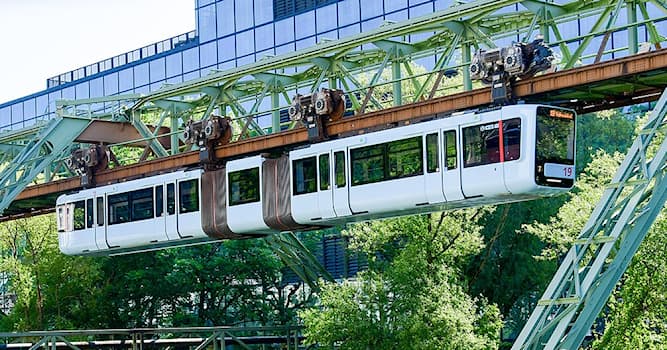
(411,297)
(610,131)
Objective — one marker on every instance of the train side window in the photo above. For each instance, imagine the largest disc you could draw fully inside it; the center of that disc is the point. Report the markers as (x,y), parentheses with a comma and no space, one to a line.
(405,158)
(60,219)
(171,199)
(142,204)
(450,149)
(159,202)
(89,213)
(324,172)
(368,164)
(100,211)
(188,196)
(243,186)
(79,215)
(339,163)
(304,176)
(432,154)
(118,208)
(512,138)
(480,145)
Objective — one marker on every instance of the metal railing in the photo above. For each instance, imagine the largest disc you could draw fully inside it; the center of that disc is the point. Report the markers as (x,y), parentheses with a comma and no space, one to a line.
(123,59)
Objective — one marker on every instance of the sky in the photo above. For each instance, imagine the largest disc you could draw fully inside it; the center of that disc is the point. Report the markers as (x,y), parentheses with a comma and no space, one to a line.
(44,38)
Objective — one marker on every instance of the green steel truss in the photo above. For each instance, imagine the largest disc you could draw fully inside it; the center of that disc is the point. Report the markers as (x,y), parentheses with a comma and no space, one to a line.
(377,69)
(601,254)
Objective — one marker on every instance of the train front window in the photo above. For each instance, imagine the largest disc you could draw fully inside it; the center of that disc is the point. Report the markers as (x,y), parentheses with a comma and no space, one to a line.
(554,150)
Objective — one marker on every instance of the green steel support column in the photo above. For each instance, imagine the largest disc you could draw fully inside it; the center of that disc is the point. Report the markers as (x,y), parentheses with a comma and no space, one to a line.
(632,31)
(544,27)
(465,56)
(174,136)
(275,114)
(333,83)
(56,138)
(396,77)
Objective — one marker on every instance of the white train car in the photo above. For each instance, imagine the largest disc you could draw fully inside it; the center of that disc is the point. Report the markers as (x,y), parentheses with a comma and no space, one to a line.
(512,153)
(143,214)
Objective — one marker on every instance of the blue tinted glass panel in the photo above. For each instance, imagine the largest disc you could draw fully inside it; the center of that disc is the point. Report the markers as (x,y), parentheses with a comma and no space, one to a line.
(226,48)
(42,105)
(245,43)
(284,49)
(53,96)
(263,11)
(243,14)
(421,10)
(397,16)
(111,84)
(156,85)
(417,2)
(305,24)
(82,90)
(97,87)
(371,8)
(266,53)
(157,70)
(264,37)
(125,80)
(395,5)
(5,116)
(284,31)
(332,35)
(142,90)
(348,12)
(17,113)
(371,24)
(245,60)
(305,43)
(191,59)
(206,23)
(349,30)
(29,109)
(141,74)
(225,16)
(68,93)
(326,21)
(227,65)
(174,64)
(191,75)
(443,4)
(201,3)
(175,80)
(208,54)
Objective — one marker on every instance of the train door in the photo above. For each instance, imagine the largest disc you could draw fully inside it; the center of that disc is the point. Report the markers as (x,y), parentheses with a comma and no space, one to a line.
(100,222)
(341,182)
(451,174)
(433,177)
(482,169)
(170,217)
(325,190)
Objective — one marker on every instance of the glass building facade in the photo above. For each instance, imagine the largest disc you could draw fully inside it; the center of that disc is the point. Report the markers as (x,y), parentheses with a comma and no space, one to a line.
(231,33)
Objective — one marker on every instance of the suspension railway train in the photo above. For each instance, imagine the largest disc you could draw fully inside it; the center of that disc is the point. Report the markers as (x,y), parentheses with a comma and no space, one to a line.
(507,154)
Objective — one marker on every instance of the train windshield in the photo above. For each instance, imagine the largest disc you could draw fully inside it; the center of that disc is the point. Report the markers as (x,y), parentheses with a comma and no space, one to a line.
(554,150)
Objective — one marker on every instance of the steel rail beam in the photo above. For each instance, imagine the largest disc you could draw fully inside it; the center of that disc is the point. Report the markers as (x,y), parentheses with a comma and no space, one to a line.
(546,87)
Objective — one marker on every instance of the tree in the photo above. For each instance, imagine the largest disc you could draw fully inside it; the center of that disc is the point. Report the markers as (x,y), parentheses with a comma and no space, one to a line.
(412,295)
